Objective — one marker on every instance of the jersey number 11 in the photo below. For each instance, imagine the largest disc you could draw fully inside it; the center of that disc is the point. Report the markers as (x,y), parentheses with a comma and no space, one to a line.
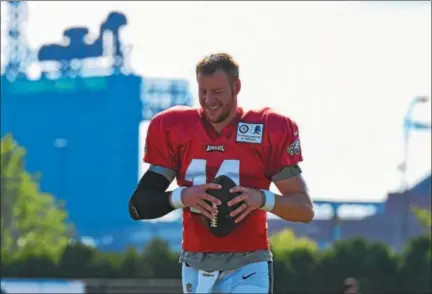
(196,172)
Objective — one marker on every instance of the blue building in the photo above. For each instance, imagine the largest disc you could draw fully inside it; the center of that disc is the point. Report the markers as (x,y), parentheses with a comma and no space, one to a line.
(82,135)
(81,132)
(384,226)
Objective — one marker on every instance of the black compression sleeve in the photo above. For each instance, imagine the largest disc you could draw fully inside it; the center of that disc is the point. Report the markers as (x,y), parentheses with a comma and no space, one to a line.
(150,201)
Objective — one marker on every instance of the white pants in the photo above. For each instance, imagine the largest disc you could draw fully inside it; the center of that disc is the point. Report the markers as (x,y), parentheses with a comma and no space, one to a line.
(251,278)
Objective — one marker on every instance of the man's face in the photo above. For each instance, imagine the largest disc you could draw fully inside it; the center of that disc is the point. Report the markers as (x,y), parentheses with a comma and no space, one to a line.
(217,95)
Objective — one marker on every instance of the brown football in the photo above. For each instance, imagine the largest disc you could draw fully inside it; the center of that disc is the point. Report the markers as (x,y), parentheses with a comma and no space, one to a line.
(222,224)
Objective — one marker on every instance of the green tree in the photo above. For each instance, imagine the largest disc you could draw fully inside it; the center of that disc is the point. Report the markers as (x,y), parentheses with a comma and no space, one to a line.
(159,261)
(372,263)
(416,266)
(295,261)
(77,261)
(284,242)
(32,224)
(424,217)
(130,264)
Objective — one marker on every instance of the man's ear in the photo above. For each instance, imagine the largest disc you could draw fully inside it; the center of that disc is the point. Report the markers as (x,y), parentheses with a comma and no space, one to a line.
(236,87)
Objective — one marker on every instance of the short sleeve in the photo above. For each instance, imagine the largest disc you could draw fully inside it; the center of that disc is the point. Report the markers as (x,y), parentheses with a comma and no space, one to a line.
(158,150)
(285,144)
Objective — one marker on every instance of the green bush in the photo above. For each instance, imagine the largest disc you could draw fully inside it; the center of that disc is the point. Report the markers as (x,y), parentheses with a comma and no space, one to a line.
(299,268)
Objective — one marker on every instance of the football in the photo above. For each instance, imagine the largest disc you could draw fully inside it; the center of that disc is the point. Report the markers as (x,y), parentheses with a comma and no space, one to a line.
(222,223)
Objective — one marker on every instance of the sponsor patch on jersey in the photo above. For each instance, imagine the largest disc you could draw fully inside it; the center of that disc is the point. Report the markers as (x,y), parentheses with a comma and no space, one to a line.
(218,148)
(250,133)
(294,148)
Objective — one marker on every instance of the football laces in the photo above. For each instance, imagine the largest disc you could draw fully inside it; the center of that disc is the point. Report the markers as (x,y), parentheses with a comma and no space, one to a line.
(213,221)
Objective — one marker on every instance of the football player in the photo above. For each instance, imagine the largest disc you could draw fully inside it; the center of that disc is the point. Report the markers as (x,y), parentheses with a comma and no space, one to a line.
(253,148)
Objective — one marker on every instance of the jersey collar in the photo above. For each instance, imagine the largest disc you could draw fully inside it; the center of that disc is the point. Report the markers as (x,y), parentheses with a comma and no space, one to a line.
(229,129)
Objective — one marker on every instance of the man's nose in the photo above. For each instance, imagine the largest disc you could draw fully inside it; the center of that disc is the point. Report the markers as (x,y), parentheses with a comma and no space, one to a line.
(210,98)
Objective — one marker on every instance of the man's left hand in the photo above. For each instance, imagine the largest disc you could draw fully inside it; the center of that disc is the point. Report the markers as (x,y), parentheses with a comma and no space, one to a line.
(253,200)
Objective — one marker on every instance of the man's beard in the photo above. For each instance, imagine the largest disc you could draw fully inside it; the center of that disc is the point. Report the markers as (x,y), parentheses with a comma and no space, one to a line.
(226,111)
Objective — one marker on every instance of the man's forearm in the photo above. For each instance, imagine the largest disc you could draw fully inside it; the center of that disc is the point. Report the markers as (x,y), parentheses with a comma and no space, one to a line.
(150,199)
(149,204)
(294,208)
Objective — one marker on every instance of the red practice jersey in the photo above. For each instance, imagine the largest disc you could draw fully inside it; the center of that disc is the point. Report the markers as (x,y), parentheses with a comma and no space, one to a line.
(255,146)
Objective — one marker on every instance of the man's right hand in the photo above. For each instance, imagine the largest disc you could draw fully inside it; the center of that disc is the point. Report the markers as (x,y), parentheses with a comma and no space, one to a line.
(194,197)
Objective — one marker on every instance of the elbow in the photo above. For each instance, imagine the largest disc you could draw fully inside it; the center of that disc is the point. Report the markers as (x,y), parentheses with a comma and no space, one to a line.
(143,214)
(308,214)
(133,212)
(148,206)
(301,214)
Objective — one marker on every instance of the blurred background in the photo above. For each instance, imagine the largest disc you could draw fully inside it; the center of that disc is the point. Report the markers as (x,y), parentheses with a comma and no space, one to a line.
(81,80)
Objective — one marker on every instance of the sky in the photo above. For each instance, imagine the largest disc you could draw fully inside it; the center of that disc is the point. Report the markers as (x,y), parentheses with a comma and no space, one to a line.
(344,71)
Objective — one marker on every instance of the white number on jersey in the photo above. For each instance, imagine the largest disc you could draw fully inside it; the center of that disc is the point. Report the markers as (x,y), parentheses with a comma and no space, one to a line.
(196,172)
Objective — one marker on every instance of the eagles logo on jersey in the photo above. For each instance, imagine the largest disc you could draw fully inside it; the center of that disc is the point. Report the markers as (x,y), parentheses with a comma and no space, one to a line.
(294,148)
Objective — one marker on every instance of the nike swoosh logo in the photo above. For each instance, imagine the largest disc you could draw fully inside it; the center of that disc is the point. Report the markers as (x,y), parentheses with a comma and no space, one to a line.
(248,276)
(295,133)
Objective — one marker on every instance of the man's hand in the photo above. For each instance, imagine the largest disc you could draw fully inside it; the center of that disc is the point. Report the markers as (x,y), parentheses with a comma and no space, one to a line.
(253,200)
(194,197)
